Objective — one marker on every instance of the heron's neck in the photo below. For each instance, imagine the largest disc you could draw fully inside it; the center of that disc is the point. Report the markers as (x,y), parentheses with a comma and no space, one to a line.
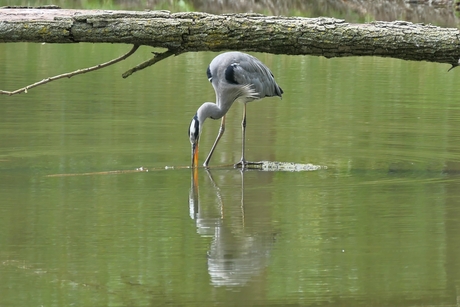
(212,110)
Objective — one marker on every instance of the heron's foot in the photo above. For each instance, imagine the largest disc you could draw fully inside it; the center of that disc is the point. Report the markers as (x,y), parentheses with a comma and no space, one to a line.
(242,164)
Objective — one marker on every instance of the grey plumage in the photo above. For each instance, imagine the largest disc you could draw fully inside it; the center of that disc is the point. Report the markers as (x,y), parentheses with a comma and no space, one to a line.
(234,76)
(244,69)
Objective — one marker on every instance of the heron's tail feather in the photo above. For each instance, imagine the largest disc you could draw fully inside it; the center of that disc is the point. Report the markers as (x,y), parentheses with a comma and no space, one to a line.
(248,92)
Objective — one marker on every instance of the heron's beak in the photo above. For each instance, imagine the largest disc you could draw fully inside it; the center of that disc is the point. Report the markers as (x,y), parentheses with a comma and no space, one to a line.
(195,154)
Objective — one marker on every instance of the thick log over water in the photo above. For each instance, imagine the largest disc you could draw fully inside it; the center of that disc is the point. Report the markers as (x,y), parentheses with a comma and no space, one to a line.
(194,31)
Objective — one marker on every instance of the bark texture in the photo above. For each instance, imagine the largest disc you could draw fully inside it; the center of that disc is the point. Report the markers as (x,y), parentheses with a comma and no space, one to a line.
(184,32)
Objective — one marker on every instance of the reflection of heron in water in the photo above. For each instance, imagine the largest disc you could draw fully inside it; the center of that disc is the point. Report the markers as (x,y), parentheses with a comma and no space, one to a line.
(235,255)
(234,76)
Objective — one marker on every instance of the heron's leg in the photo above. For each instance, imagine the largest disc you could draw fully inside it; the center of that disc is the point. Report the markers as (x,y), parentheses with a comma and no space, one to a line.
(221,132)
(243,138)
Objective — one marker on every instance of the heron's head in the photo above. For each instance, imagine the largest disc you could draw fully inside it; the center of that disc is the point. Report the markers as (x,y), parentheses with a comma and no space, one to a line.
(194,134)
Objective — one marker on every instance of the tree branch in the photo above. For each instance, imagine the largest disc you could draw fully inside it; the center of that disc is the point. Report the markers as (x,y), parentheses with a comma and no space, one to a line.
(71,74)
(195,31)
(157,57)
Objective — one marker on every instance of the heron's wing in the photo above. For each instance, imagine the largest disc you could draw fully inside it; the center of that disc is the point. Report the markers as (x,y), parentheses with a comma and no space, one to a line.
(249,70)
(236,75)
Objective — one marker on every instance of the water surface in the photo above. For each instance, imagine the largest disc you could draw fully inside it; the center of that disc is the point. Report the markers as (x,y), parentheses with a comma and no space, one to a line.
(379,226)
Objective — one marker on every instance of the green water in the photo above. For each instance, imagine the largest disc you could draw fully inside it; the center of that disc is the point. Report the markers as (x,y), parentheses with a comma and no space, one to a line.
(379,227)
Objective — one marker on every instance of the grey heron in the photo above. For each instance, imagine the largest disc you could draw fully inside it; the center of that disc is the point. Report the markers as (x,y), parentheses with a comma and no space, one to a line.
(234,76)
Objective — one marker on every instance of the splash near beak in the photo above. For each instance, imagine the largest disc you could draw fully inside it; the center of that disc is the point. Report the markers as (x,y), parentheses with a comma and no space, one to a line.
(195,155)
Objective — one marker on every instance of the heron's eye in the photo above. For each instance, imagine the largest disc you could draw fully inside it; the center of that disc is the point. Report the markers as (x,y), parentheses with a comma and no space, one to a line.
(194,129)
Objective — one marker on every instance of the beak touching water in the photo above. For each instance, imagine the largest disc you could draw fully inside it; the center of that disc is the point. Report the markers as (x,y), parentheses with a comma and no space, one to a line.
(194,135)
(195,154)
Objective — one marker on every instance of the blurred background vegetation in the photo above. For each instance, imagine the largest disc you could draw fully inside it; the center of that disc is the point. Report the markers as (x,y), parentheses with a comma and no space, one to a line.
(438,12)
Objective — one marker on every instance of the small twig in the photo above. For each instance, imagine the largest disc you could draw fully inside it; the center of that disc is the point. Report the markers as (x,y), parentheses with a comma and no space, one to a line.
(157,58)
(454,65)
(71,74)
